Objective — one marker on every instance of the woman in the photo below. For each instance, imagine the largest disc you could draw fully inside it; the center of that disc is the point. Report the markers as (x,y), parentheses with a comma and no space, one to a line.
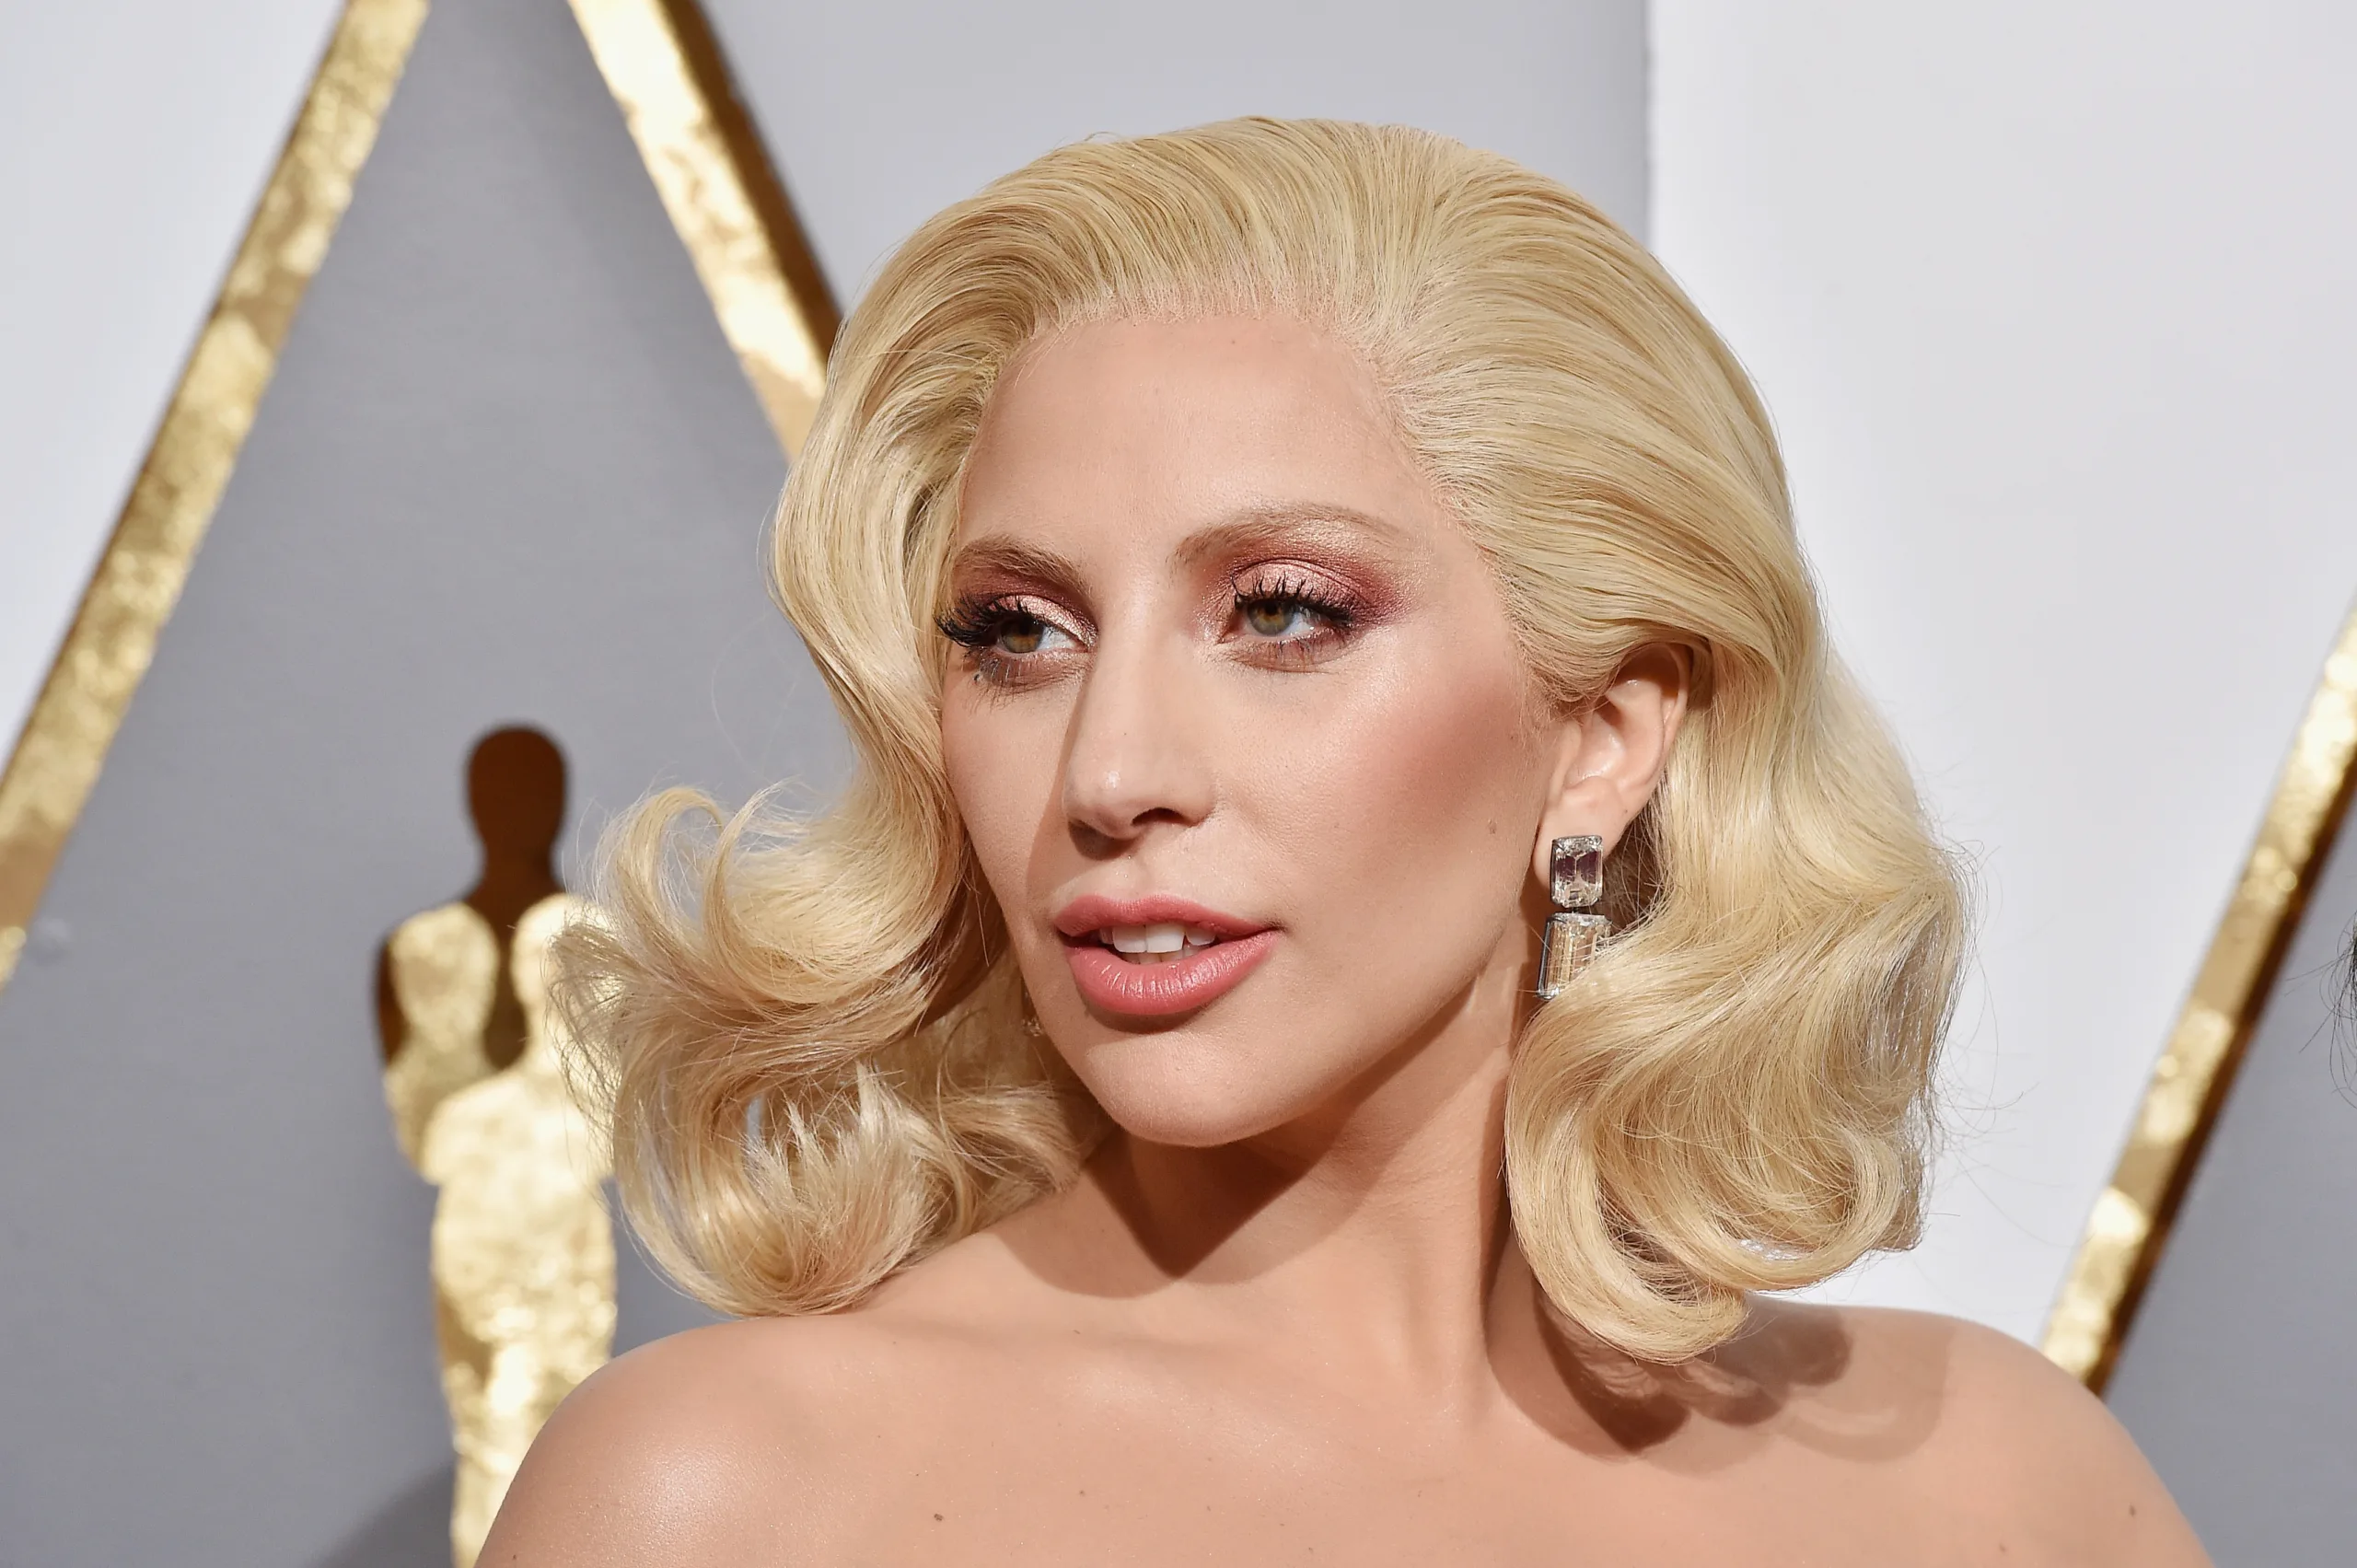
(1128,1123)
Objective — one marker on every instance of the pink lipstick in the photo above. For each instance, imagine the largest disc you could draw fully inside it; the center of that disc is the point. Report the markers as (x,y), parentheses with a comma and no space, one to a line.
(1156,956)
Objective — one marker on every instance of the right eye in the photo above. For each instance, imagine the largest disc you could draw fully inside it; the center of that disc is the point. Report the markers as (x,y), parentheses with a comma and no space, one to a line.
(1000,634)
(1021,632)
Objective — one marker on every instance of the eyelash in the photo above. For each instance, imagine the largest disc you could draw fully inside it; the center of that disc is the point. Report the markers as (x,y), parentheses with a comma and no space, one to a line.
(1290,593)
(977,624)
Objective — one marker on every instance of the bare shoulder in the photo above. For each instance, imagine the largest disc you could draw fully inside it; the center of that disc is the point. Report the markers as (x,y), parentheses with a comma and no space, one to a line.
(736,1443)
(2012,1448)
(770,1439)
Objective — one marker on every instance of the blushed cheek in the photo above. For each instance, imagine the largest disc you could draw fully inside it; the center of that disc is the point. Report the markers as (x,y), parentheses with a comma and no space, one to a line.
(1430,798)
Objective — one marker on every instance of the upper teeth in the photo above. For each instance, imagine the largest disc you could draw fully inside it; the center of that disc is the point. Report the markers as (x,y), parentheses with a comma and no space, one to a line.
(1167,937)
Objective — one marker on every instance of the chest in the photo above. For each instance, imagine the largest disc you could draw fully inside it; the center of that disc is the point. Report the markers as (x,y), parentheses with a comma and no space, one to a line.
(1050,1487)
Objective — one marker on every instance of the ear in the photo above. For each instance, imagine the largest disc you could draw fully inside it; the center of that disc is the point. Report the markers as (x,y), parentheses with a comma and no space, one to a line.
(1610,759)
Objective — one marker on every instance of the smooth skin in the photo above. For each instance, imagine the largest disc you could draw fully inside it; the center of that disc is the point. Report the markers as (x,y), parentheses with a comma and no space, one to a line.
(1234,648)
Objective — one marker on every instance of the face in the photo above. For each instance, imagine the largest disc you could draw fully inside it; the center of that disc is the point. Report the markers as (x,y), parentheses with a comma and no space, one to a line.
(1235,722)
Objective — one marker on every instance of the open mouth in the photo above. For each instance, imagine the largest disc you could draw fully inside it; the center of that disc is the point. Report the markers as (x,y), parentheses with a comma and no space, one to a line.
(1158,954)
(1164,942)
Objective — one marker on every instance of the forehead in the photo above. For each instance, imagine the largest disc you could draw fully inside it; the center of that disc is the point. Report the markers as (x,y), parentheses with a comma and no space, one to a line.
(1172,422)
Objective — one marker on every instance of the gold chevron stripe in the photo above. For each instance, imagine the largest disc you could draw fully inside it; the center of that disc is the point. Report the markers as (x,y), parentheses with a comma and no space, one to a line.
(2130,1225)
(664,68)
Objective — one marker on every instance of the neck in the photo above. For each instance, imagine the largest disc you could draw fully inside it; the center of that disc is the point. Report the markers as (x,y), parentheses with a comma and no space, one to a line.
(1373,1226)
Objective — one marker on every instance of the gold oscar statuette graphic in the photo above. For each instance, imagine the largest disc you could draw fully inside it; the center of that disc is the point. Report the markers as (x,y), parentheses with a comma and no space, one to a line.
(523,1249)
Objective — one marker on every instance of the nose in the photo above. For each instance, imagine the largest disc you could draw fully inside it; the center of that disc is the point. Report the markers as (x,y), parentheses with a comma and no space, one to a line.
(1134,755)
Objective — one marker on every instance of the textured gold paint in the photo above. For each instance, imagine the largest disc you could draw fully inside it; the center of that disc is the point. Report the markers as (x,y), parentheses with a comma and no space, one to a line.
(2080,1329)
(709,199)
(73,723)
(523,1251)
(444,969)
(2131,1221)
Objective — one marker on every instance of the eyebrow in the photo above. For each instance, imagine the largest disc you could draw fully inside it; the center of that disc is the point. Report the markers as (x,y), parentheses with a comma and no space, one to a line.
(1006,557)
(1265,526)
(1255,526)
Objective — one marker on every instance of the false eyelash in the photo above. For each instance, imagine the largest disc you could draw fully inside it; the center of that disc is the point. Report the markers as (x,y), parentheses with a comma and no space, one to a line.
(976,623)
(1302,594)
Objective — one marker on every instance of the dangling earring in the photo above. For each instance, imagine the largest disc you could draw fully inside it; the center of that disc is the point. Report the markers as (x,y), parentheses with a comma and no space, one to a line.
(1573,936)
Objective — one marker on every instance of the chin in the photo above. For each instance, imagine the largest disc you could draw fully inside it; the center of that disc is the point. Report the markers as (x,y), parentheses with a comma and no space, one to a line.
(1189,1092)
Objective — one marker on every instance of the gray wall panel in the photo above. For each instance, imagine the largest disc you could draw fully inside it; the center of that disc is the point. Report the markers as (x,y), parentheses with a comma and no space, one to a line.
(881,113)
(2239,1376)
(509,472)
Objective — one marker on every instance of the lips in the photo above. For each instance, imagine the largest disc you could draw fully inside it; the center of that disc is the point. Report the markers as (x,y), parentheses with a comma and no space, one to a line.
(1156,956)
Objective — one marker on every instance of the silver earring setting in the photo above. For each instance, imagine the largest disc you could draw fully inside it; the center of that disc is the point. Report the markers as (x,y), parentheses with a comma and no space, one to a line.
(1576,882)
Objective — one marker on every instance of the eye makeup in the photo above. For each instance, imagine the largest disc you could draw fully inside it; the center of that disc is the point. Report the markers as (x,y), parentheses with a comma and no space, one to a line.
(1009,637)
(1287,617)
(1282,590)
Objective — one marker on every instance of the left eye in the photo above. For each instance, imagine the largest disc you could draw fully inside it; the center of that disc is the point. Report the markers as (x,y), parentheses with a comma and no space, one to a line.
(1279,617)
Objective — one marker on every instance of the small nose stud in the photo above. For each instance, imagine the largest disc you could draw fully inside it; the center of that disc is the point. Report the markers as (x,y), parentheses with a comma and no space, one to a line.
(1576,882)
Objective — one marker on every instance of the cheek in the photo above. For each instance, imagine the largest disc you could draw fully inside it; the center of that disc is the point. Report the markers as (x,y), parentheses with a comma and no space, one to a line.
(1001,764)
(1426,797)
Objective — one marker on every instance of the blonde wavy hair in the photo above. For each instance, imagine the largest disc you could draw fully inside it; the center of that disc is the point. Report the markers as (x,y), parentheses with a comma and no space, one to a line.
(819,1059)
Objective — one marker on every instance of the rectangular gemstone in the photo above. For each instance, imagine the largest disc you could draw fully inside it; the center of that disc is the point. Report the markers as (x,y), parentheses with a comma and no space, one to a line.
(1578,879)
(1570,943)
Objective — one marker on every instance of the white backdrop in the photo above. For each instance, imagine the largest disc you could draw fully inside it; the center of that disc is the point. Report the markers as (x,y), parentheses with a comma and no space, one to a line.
(2049,301)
